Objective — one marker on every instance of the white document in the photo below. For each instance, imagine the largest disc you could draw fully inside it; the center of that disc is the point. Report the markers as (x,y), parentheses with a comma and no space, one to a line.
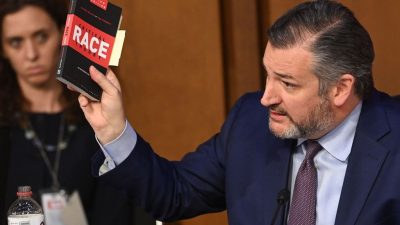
(73,213)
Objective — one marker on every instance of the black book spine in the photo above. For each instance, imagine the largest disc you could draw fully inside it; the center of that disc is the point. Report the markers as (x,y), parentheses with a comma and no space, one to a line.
(64,49)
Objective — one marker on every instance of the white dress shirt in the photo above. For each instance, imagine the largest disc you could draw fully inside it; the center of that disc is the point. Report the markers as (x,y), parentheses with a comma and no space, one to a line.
(331,164)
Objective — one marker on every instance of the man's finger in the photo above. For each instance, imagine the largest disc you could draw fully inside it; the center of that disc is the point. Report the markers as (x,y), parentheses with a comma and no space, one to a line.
(83,101)
(86,105)
(101,80)
(113,79)
(71,88)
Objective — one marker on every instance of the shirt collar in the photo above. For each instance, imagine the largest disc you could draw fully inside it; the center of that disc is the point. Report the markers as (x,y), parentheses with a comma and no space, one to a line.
(338,142)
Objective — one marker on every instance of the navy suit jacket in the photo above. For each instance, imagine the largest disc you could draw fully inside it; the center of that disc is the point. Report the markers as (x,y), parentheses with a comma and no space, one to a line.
(243,167)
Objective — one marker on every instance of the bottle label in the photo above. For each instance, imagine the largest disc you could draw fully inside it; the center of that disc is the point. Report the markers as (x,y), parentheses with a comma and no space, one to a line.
(29,219)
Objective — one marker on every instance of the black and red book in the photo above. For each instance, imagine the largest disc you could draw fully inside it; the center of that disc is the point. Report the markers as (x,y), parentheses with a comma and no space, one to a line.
(88,39)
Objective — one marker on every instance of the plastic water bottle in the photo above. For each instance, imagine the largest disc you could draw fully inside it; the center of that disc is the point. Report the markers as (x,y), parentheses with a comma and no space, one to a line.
(25,210)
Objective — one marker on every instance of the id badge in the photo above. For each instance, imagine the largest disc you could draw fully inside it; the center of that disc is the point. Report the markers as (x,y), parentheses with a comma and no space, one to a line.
(53,203)
(74,213)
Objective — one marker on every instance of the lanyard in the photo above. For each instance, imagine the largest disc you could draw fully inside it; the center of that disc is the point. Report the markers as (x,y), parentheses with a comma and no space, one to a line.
(30,134)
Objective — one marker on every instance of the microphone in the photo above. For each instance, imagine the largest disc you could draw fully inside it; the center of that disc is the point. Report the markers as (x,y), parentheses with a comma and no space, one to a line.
(282,197)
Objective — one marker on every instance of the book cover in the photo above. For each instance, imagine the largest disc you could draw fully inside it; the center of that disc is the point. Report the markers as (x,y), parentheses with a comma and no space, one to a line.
(88,39)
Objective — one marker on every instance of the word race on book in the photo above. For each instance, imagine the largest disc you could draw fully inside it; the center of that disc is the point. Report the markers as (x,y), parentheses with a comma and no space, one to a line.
(88,39)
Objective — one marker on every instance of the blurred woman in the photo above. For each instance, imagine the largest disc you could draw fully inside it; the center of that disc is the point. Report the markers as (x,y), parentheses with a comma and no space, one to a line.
(50,142)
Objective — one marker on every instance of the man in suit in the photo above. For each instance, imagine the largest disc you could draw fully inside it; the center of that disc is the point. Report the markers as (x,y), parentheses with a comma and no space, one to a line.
(321,131)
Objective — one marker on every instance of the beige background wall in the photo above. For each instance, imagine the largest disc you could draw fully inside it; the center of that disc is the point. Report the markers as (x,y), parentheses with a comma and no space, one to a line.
(185,62)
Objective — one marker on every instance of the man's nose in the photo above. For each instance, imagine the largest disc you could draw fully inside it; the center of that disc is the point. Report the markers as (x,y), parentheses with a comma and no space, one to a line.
(271,95)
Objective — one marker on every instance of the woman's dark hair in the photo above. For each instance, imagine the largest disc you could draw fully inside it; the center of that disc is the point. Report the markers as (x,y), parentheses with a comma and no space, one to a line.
(12,102)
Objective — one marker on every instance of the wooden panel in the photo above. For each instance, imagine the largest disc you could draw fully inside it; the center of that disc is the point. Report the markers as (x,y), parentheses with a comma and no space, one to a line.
(171,72)
(242,53)
(172,76)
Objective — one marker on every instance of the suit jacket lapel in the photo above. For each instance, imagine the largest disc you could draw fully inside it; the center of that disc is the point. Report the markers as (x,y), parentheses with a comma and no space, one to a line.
(279,168)
(366,159)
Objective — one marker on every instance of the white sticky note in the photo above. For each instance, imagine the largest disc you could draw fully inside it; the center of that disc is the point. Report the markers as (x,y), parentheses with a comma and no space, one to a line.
(117,49)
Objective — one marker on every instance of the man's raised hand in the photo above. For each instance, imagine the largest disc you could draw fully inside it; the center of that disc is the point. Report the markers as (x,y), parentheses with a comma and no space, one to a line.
(107,117)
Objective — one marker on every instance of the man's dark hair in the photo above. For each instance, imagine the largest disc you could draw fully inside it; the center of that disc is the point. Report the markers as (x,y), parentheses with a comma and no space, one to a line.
(339,43)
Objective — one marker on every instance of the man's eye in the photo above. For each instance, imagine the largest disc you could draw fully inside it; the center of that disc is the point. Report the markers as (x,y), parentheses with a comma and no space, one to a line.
(288,85)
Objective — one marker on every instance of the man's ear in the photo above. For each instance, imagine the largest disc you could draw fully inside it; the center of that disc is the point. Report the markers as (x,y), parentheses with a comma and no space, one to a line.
(343,89)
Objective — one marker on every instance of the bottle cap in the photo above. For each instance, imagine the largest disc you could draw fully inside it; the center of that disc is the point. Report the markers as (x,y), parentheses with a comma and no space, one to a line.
(24,191)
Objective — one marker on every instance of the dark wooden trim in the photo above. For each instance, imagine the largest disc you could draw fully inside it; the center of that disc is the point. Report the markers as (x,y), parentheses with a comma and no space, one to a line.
(241,48)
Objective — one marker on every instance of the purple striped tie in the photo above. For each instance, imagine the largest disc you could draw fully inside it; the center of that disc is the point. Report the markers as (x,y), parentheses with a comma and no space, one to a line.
(303,208)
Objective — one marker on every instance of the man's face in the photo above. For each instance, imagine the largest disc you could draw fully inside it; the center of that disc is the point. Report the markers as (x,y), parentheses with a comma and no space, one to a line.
(31,42)
(291,95)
